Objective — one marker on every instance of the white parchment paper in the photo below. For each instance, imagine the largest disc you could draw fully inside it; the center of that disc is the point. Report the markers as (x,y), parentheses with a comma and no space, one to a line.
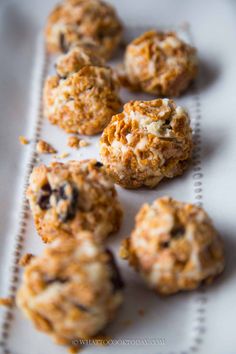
(201,321)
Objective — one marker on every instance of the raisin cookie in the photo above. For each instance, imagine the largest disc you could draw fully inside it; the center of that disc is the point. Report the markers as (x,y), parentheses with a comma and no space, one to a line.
(150,140)
(84,102)
(91,21)
(174,246)
(73,290)
(160,63)
(67,198)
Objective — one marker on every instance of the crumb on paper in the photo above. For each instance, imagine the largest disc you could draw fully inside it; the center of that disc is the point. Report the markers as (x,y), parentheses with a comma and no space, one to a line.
(43,147)
(25,259)
(73,141)
(141,312)
(62,156)
(83,143)
(23,140)
(123,252)
(6,301)
(74,349)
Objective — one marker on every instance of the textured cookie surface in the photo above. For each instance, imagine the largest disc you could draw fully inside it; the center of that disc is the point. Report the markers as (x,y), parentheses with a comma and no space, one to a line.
(73,290)
(76,58)
(86,21)
(148,141)
(84,102)
(160,63)
(67,198)
(174,246)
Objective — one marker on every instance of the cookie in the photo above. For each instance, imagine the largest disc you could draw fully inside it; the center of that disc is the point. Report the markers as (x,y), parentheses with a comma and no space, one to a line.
(67,198)
(148,141)
(174,246)
(160,63)
(89,21)
(73,290)
(84,102)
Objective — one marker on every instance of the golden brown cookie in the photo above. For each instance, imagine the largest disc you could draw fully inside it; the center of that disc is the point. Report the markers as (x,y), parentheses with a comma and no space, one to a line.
(89,21)
(67,198)
(84,102)
(148,141)
(73,290)
(160,63)
(174,246)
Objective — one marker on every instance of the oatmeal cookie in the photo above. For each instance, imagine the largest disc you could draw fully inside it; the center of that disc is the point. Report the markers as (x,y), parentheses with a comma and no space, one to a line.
(76,58)
(73,290)
(91,21)
(67,198)
(150,140)
(174,246)
(84,102)
(160,63)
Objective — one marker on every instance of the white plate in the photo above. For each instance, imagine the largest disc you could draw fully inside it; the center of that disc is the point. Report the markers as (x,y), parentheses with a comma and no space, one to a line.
(200,321)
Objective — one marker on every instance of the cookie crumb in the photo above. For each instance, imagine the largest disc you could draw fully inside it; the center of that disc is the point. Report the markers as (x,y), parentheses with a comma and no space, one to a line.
(23,140)
(73,141)
(74,350)
(83,143)
(43,147)
(63,155)
(25,260)
(6,301)
(124,249)
(141,312)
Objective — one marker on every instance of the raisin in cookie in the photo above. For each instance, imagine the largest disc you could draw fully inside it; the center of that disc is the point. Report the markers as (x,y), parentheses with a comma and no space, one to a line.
(67,198)
(84,102)
(150,140)
(160,63)
(85,21)
(73,290)
(174,246)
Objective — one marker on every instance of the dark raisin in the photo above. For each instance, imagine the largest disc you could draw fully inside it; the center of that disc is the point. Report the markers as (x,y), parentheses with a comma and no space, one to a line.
(64,78)
(177,231)
(98,164)
(44,197)
(101,35)
(63,44)
(167,121)
(69,193)
(82,307)
(116,279)
(62,192)
(49,280)
(165,244)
